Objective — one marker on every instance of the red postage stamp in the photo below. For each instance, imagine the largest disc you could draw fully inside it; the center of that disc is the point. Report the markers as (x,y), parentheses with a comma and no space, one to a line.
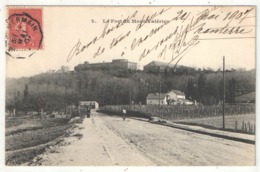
(25,29)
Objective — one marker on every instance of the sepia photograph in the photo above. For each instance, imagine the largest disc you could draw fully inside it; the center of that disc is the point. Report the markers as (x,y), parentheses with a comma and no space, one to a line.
(130,86)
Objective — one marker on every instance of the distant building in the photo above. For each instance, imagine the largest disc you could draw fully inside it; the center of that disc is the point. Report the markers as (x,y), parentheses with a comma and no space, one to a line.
(117,63)
(185,102)
(246,98)
(91,104)
(177,97)
(173,97)
(156,98)
(239,92)
(125,64)
(156,66)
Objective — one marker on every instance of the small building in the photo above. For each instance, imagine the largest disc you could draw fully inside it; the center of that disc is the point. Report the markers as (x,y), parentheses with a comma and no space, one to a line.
(185,102)
(116,63)
(246,98)
(176,94)
(91,104)
(176,97)
(124,64)
(173,97)
(156,98)
(156,66)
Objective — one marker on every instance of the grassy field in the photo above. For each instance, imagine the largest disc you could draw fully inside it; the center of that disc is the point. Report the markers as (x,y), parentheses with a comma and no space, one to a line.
(239,117)
(28,137)
(233,123)
(16,125)
(179,112)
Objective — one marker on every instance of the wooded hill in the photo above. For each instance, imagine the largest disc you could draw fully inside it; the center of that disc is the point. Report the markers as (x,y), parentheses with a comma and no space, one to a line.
(54,91)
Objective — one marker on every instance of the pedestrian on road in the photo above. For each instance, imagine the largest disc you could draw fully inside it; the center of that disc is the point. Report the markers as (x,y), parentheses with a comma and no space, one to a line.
(88,112)
(124,114)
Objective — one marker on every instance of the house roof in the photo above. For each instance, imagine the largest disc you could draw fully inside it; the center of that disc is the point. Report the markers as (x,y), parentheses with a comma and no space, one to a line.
(249,97)
(158,63)
(177,92)
(156,96)
(87,101)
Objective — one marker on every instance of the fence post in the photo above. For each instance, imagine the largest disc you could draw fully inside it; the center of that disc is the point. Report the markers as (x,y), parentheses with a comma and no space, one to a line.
(249,126)
(243,124)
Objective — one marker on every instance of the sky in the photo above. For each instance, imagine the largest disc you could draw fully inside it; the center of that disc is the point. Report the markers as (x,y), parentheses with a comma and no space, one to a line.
(68,30)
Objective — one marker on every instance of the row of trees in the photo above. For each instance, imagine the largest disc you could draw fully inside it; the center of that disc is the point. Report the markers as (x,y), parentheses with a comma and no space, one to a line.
(210,92)
(54,91)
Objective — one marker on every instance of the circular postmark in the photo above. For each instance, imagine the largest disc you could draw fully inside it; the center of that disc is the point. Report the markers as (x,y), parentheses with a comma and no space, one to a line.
(24,31)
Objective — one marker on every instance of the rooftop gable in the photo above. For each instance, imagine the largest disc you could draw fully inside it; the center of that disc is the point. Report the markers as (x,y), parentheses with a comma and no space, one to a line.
(158,63)
(177,92)
(156,96)
(248,97)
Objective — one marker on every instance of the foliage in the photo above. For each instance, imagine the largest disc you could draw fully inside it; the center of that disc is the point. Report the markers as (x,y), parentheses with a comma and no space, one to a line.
(178,112)
(233,123)
(112,86)
(28,137)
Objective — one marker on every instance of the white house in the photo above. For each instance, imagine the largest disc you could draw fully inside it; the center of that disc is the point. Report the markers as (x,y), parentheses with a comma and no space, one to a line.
(173,97)
(185,102)
(156,98)
(176,94)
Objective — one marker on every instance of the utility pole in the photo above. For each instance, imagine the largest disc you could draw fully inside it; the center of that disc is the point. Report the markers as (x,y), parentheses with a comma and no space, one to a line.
(224,96)
(160,86)
(160,95)
(130,95)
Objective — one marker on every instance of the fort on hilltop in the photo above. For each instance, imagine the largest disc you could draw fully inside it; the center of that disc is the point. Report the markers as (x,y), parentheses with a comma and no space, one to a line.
(118,63)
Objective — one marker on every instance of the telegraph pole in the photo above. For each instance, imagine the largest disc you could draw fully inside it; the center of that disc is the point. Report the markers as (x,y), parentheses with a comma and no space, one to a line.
(159,92)
(160,87)
(130,95)
(224,95)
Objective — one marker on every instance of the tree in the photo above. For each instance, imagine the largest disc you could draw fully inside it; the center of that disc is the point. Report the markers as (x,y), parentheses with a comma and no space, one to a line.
(201,85)
(25,92)
(189,89)
(111,86)
(64,69)
(231,90)
(79,85)
(220,88)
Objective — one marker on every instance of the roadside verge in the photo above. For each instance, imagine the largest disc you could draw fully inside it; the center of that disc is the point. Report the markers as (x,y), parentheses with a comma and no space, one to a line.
(245,138)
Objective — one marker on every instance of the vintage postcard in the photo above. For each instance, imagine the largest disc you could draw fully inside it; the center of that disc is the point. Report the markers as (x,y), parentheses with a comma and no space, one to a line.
(130,86)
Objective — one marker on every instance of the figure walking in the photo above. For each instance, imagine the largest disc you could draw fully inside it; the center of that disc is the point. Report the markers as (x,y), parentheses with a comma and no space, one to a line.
(88,112)
(124,114)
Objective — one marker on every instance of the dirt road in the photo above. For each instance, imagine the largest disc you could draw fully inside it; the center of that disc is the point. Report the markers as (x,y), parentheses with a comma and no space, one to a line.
(109,141)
